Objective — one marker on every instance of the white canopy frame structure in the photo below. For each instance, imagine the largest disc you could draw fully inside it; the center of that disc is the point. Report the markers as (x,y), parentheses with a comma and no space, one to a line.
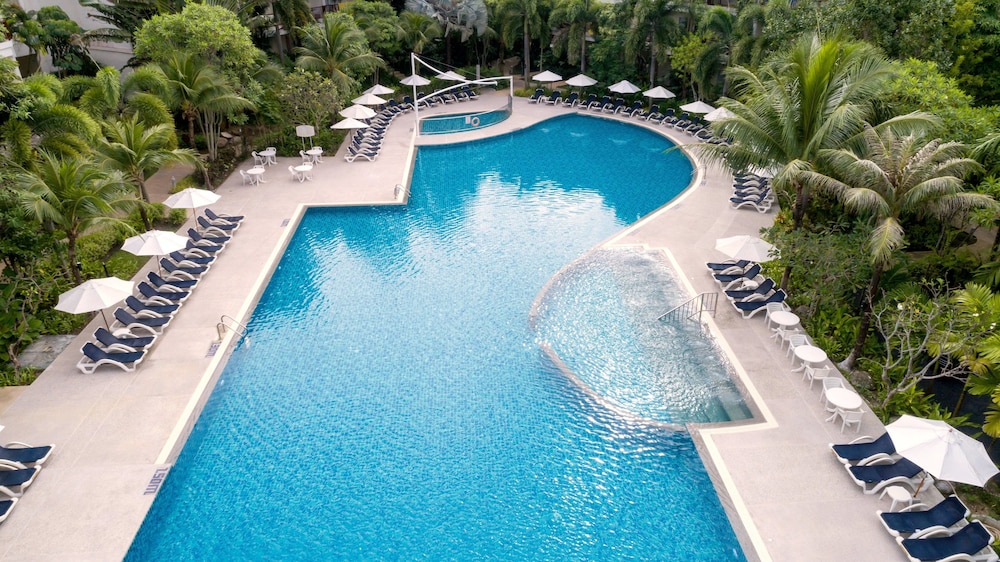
(414,60)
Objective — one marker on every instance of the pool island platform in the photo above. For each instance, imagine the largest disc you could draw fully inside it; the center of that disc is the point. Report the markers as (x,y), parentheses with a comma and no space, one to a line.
(117,433)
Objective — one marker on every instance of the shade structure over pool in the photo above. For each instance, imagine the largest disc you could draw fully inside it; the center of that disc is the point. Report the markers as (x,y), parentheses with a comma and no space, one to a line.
(368,99)
(349,123)
(546,76)
(581,81)
(451,75)
(719,113)
(414,80)
(697,107)
(95,294)
(624,87)
(659,92)
(746,247)
(941,450)
(357,111)
(378,90)
(191,198)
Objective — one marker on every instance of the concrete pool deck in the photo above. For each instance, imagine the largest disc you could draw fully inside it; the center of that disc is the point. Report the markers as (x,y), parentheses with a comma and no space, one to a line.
(117,433)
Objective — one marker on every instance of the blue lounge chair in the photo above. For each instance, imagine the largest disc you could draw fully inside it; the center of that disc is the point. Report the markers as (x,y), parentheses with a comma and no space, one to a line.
(571,99)
(353,154)
(6,506)
(718,267)
(762,202)
(750,273)
(614,106)
(142,310)
(971,542)
(750,309)
(193,249)
(873,477)
(149,325)
(591,99)
(187,272)
(190,261)
(407,103)
(764,289)
(599,105)
(207,240)
(123,343)
(632,110)
(94,357)
(14,481)
(863,450)
(213,216)
(170,284)
(910,520)
(24,455)
(166,296)
(554,98)
(225,229)
(653,110)
(536,96)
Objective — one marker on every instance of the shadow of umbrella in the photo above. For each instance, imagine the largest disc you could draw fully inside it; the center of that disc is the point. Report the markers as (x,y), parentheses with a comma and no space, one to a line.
(95,294)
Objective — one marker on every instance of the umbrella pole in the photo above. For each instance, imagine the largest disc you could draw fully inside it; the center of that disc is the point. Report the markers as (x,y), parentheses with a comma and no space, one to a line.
(106,320)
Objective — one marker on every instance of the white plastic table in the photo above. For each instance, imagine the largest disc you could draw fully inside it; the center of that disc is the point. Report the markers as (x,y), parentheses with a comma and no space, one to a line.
(809,355)
(898,495)
(843,399)
(315,154)
(304,172)
(256,174)
(269,156)
(784,318)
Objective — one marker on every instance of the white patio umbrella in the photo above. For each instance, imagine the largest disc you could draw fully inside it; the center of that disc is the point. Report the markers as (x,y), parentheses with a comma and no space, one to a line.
(941,450)
(349,123)
(358,112)
(719,113)
(155,243)
(95,294)
(697,107)
(368,99)
(659,92)
(746,247)
(450,75)
(192,198)
(378,90)
(624,87)
(546,76)
(414,80)
(581,81)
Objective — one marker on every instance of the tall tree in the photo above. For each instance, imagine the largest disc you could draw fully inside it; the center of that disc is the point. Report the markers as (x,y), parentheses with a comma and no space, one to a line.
(520,19)
(464,17)
(109,95)
(888,177)
(73,195)
(337,49)
(417,31)
(571,21)
(653,27)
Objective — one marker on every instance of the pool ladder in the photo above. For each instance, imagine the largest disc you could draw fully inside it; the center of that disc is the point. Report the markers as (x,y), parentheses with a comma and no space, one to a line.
(239,329)
(692,308)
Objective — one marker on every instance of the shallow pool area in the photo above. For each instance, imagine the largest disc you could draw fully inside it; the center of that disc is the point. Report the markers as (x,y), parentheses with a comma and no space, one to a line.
(461,122)
(391,400)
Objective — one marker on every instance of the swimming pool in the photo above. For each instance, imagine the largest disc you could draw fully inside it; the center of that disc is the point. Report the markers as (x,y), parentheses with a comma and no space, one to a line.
(459,122)
(393,401)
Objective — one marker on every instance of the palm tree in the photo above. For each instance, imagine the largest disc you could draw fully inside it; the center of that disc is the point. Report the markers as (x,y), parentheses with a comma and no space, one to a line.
(654,27)
(139,151)
(571,20)
(521,18)
(73,195)
(202,94)
(888,177)
(462,16)
(109,95)
(417,31)
(336,48)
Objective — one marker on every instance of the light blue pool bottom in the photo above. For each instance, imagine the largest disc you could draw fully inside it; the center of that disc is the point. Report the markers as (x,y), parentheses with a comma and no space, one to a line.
(391,402)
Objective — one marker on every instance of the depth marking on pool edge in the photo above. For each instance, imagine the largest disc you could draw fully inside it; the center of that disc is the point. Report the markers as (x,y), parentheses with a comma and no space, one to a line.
(159,475)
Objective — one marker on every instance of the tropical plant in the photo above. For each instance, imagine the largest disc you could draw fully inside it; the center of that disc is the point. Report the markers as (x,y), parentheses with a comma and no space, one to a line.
(417,31)
(571,21)
(889,177)
(308,98)
(651,32)
(138,150)
(109,95)
(464,17)
(520,19)
(337,49)
(125,17)
(73,195)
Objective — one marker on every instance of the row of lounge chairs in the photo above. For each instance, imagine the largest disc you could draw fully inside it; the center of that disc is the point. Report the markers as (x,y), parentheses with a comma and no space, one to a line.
(746,289)
(20,464)
(465,93)
(145,315)
(941,532)
(753,192)
(367,143)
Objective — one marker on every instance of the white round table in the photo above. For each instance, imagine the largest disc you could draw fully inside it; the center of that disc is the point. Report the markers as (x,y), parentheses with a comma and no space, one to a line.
(256,174)
(809,355)
(269,156)
(315,154)
(784,318)
(843,398)
(304,172)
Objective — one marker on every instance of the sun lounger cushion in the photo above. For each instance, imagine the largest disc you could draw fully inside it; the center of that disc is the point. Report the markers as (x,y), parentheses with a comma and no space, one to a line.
(968,540)
(853,452)
(25,455)
(949,511)
(881,472)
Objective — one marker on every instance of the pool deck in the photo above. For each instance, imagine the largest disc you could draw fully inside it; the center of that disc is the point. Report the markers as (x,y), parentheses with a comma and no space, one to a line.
(117,432)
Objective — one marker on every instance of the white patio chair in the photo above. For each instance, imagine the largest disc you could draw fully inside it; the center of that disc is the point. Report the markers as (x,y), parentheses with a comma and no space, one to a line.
(815,373)
(850,417)
(257,159)
(773,307)
(828,383)
(295,175)
(794,340)
(272,155)
(245,177)
(306,159)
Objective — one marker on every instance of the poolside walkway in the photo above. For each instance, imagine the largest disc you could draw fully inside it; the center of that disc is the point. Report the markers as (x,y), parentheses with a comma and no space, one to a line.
(116,433)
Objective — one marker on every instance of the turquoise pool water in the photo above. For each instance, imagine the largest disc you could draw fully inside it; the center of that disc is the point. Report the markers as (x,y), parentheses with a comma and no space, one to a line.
(391,401)
(458,122)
